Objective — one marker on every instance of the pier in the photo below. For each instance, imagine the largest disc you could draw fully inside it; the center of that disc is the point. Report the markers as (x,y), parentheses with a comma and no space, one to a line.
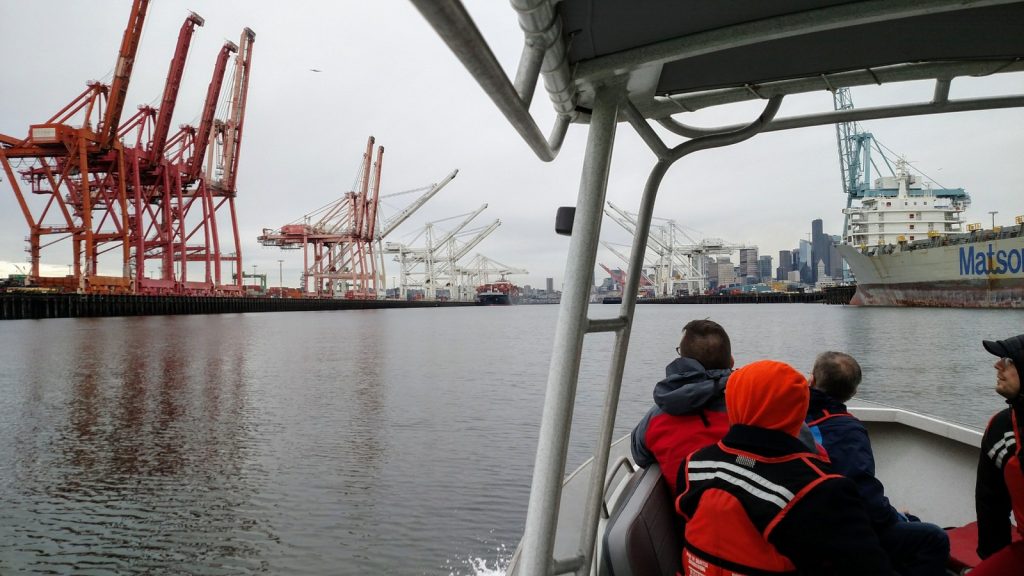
(20,306)
(835,295)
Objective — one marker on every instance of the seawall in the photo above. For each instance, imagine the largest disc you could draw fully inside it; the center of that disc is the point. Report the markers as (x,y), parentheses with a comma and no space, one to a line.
(15,306)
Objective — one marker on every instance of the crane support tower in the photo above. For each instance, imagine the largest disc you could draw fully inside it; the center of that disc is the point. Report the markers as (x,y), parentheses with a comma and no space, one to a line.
(133,192)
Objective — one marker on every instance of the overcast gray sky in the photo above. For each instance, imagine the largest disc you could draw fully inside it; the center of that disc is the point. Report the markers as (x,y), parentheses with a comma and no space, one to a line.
(384,72)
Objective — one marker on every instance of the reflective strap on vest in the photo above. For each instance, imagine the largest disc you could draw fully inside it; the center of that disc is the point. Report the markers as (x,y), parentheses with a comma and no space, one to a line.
(742,478)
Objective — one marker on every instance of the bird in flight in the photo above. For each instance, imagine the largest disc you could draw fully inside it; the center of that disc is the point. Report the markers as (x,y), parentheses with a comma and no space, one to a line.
(315,70)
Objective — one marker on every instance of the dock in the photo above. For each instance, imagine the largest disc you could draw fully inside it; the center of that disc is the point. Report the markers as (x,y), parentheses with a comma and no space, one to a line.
(18,306)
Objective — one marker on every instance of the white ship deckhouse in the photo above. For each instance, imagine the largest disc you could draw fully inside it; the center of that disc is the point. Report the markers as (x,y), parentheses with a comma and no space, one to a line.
(900,209)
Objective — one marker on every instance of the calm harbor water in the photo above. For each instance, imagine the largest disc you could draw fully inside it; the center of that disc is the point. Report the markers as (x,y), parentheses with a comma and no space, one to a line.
(364,442)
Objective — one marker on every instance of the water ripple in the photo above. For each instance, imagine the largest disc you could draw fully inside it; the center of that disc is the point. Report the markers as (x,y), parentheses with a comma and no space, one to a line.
(387,441)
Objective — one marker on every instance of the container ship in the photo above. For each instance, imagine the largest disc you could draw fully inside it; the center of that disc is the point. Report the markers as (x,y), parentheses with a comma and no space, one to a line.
(906,245)
(500,293)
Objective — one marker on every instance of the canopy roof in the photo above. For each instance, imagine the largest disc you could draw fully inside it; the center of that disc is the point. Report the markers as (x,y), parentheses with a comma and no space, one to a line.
(675,56)
(735,43)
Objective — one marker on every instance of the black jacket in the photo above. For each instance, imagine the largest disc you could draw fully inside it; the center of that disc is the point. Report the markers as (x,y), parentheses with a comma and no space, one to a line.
(846,440)
(992,499)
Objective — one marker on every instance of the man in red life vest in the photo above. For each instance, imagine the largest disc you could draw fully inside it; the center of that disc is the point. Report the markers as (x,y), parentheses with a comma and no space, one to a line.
(1000,485)
(689,410)
(761,502)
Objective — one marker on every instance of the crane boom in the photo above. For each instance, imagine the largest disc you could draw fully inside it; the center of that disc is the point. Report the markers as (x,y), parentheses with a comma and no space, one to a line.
(371,216)
(476,240)
(404,215)
(236,114)
(174,74)
(447,237)
(122,73)
(203,133)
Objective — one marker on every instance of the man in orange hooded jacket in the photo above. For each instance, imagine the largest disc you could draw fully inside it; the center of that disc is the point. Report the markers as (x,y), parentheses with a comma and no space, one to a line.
(759,501)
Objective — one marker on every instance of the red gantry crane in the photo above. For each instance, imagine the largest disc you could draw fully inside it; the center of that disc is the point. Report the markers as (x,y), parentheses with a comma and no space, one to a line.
(72,164)
(342,238)
(341,241)
(131,189)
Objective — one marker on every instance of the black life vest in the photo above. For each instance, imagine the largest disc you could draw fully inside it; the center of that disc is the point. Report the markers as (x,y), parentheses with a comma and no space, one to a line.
(733,500)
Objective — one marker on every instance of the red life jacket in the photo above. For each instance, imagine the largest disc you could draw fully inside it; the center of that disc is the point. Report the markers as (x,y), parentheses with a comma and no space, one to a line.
(732,502)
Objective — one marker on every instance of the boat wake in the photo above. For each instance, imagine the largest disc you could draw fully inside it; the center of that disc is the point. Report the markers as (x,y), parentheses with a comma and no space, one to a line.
(476,566)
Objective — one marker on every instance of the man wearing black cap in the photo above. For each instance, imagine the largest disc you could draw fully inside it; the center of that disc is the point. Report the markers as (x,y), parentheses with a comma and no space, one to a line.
(1000,486)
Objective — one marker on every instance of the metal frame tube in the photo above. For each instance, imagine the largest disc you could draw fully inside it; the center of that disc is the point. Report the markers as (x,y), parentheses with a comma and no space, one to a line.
(663,106)
(451,21)
(556,422)
(858,114)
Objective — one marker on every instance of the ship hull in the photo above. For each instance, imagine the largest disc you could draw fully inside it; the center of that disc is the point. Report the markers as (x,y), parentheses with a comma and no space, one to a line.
(493,299)
(985,273)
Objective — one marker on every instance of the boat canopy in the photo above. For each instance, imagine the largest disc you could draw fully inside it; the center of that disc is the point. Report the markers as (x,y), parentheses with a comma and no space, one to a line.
(604,62)
(677,56)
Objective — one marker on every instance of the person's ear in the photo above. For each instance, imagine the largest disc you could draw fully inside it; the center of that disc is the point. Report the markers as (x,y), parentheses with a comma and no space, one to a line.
(732,362)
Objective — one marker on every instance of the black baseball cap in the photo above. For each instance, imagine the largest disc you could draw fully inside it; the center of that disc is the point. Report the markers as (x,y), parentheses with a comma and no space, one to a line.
(1012,348)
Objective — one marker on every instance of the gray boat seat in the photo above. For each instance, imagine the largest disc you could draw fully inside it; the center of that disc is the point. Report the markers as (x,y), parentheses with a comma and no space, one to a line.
(641,537)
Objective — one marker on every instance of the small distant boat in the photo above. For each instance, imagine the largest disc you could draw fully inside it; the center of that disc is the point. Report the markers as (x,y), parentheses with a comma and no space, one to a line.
(500,293)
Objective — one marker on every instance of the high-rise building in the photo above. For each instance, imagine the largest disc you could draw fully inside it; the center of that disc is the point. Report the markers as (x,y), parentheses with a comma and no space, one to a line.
(726,272)
(765,268)
(550,285)
(711,267)
(785,265)
(748,263)
(835,260)
(806,274)
(820,244)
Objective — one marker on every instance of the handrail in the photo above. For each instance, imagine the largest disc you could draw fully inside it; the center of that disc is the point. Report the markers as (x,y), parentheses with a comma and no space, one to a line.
(451,21)
(623,462)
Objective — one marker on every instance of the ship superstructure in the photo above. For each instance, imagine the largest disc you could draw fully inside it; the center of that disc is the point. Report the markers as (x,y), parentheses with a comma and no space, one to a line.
(900,209)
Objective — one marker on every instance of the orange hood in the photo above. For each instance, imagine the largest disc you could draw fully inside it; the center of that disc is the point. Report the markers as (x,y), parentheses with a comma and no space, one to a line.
(767,394)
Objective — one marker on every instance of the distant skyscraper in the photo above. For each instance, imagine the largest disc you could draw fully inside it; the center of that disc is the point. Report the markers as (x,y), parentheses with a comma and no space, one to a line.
(711,266)
(765,268)
(748,263)
(785,265)
(726,273)
(806,274)
(819,248)
(550,285)
(835,260)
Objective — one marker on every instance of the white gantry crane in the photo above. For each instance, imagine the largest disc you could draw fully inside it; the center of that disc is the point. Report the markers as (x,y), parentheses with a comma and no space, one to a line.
(679,259)
(388,226)
(434,266)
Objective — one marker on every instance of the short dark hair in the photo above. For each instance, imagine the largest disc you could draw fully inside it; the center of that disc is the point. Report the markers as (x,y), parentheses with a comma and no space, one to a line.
(837,374)
(706,342)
